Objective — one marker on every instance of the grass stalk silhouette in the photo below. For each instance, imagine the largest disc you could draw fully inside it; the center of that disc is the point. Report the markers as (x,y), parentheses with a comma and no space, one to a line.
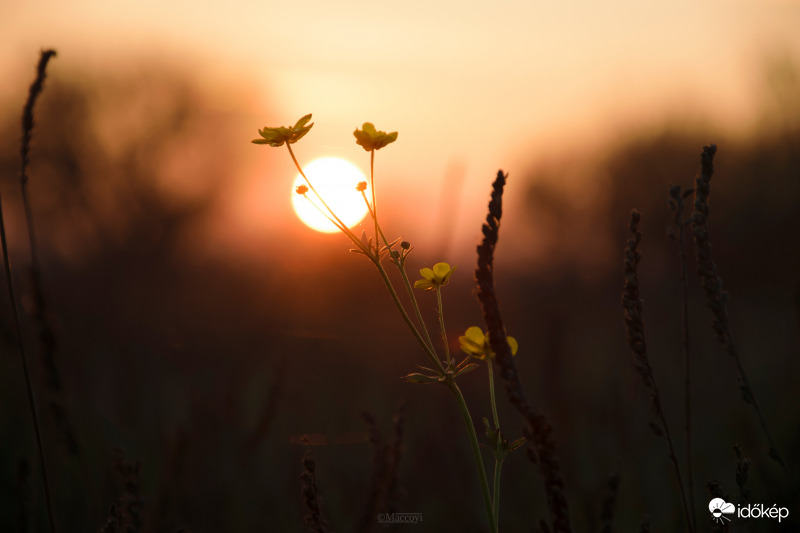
(126,514)
(27,129)
(539,431)
(375,493)
(311,499)
(40,314)
(716,296)
(268,411)
(609,505)
(676,203)
(383,486)
(634,323)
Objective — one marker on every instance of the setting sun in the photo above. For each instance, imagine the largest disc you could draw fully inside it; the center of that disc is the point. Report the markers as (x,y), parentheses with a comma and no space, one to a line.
(335,179)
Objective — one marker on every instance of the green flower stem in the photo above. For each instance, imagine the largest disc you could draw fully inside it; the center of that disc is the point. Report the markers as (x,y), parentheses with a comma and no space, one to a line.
(462,404)
(441,325)
(491,394)
(414,303)
(326,215)
(374,204)
(426,346)
(498,466)
(476,453)
(428,350)
(406,281)
(344,227)
(498,458)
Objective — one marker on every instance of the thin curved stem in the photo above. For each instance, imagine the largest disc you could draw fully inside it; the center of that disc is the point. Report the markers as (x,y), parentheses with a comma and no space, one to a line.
(498,467)
(687,358)
(345,229)
(414,303)
(322,211)
(400,266)
(491,394)
(476,453)
(441,325)
(374,204)
(498,459)
(26,371)
(428,350)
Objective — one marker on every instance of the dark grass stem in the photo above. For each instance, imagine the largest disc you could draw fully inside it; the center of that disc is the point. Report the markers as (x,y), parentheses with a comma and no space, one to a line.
(742,475)
(394,454)
(126,514)
(22,493)
(632,304)
(385,462)
(716,296)
(310,493)
(609,505)
(539,431)
(40,315)
(27,128)
(677,205)
(268,411)
(375,494)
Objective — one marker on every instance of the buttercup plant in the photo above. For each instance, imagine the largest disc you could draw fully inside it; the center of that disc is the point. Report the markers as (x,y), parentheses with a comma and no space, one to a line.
(377,249)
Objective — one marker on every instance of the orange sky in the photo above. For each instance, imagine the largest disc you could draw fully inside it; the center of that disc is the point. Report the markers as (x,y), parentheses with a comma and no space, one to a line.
(473,86)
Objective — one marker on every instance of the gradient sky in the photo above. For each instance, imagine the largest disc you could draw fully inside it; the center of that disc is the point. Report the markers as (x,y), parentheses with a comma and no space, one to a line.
(470,86)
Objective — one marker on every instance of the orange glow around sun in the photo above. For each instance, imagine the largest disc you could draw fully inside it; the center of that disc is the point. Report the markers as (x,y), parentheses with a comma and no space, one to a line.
(335,179)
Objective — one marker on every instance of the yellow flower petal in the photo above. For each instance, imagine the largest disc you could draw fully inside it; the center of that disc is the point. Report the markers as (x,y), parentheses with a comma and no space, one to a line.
(473,343)
(371,139)
(441,270)
(302,122)
(446,278)
(475,334)
(279,135)
(424,284)
(469,347)
(513,344)
(427,273)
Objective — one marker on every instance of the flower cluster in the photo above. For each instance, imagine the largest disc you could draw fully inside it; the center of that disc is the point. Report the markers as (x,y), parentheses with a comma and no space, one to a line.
(475,343)
(440,275)
(370,139)
(377,248)
(277,136)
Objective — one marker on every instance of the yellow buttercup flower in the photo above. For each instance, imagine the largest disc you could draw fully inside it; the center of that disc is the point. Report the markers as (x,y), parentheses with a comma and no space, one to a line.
(436,277)
(475,342)
(277,136)
(370,139)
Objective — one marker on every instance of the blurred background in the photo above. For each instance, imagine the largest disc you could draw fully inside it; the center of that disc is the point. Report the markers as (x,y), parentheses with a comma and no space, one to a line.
(202,329)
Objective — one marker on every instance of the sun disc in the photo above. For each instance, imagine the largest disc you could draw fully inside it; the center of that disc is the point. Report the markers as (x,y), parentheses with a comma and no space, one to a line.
(335,180)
